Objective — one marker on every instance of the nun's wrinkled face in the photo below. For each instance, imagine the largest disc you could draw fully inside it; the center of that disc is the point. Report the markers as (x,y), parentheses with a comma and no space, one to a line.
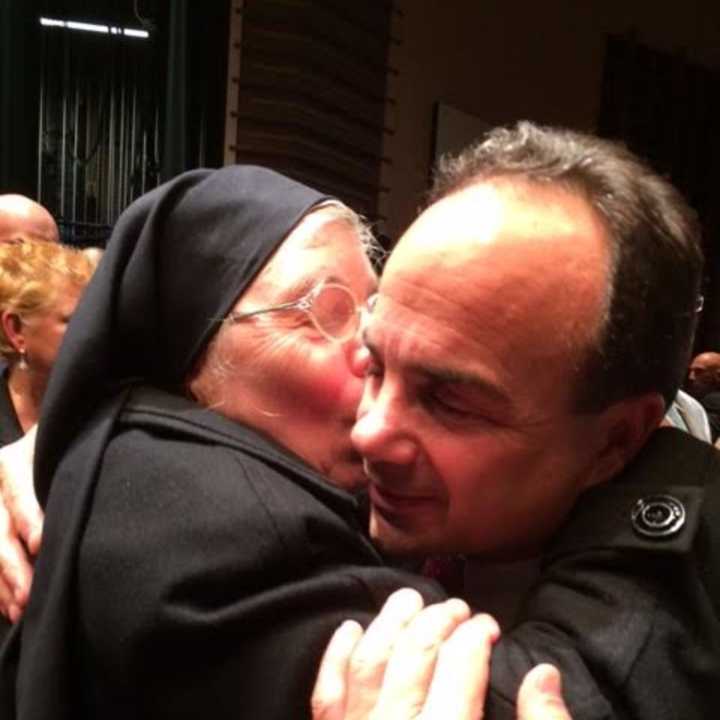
(276,370)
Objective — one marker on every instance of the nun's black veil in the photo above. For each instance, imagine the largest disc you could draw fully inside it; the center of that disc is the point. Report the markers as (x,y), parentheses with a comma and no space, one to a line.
(178,259)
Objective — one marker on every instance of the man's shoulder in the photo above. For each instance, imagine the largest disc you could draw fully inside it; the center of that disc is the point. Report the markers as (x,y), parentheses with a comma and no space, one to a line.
(656,504)
(711,401)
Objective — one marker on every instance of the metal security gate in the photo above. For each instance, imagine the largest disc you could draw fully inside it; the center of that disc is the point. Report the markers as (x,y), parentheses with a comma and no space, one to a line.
(99,122)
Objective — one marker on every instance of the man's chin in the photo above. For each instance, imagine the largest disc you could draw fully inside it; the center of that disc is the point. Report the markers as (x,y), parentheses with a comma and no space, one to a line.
(393,541)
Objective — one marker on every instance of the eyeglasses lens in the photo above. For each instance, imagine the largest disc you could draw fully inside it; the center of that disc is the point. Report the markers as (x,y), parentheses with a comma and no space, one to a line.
(335,312)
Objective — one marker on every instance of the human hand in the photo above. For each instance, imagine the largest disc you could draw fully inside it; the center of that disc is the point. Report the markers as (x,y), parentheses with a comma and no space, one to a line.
(422,664)
(411,662)
(20,524)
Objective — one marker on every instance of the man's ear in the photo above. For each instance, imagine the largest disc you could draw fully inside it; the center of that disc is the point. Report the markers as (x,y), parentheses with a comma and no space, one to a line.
(13,328)
(624,428)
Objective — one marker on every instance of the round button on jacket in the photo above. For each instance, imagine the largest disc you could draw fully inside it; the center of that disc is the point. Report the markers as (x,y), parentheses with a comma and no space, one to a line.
(658,516)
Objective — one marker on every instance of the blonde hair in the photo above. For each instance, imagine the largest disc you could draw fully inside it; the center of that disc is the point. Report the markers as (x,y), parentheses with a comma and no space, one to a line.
(31,273)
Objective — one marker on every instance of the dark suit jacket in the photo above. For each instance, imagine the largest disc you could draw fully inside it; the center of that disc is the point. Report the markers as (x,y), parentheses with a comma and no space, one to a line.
(711,403)
(631,620)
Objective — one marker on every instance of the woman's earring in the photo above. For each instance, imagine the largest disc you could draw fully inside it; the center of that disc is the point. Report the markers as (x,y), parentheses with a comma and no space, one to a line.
(22,364)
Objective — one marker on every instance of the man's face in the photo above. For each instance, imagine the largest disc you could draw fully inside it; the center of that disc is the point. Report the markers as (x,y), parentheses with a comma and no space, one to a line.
(467,422)
(704,374)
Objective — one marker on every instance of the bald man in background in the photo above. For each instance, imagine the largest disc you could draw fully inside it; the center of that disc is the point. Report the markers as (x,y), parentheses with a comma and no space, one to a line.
(703,382)
(23,218)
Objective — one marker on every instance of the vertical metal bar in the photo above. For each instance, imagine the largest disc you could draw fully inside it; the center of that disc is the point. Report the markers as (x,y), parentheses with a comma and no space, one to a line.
(126,123)
(109,161)
(143,161)
(87,175)
(133,142)
(41,115)
(76,133)
(63,137)
(156,141)
(103,123)
(98,123)
(200,160)
(120,175)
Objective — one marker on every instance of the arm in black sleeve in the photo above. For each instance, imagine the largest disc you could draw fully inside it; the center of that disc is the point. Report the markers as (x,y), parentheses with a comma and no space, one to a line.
(631,620)
(209,586)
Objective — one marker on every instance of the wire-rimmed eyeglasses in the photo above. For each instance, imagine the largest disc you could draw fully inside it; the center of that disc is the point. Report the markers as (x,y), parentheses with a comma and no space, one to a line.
(331,307)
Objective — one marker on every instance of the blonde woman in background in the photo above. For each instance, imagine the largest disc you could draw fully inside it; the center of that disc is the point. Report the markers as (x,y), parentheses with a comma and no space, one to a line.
(40,285)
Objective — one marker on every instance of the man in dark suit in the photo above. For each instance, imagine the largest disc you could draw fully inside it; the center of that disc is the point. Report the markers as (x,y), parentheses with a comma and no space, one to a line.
(531,328)
(703,382)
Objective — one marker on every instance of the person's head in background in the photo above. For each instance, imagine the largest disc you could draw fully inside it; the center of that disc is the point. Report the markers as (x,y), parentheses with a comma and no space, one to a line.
(530,329)
(40,285)
(704,374)
(24,219)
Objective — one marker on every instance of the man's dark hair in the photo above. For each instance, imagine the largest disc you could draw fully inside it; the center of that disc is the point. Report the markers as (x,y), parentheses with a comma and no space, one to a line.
(645,339)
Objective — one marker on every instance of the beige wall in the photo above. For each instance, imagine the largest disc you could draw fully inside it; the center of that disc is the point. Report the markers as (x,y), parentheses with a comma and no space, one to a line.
(503,61)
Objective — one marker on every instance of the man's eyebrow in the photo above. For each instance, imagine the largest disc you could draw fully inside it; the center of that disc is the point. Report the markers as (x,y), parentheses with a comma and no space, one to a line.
(469,380)
(451,376)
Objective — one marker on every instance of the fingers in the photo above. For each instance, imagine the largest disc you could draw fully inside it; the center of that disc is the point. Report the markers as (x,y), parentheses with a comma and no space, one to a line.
(27,517)
(18,492)
(370,657)
(461,675)
(540,698)
(330,692)
(411,662)
(409,671)
(20,524)
(354,662)
(15,569)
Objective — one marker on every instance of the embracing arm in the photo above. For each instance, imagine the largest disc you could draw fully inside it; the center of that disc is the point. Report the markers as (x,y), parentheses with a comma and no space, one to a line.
(209,585)
(20,524)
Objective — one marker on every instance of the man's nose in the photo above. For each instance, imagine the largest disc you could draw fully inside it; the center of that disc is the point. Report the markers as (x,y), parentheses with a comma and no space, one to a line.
(383,432)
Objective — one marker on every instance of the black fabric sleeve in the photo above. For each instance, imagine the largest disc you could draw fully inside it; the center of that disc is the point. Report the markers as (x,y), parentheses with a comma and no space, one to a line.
(711,403)
(209,585)
(630,643)
(631,621)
